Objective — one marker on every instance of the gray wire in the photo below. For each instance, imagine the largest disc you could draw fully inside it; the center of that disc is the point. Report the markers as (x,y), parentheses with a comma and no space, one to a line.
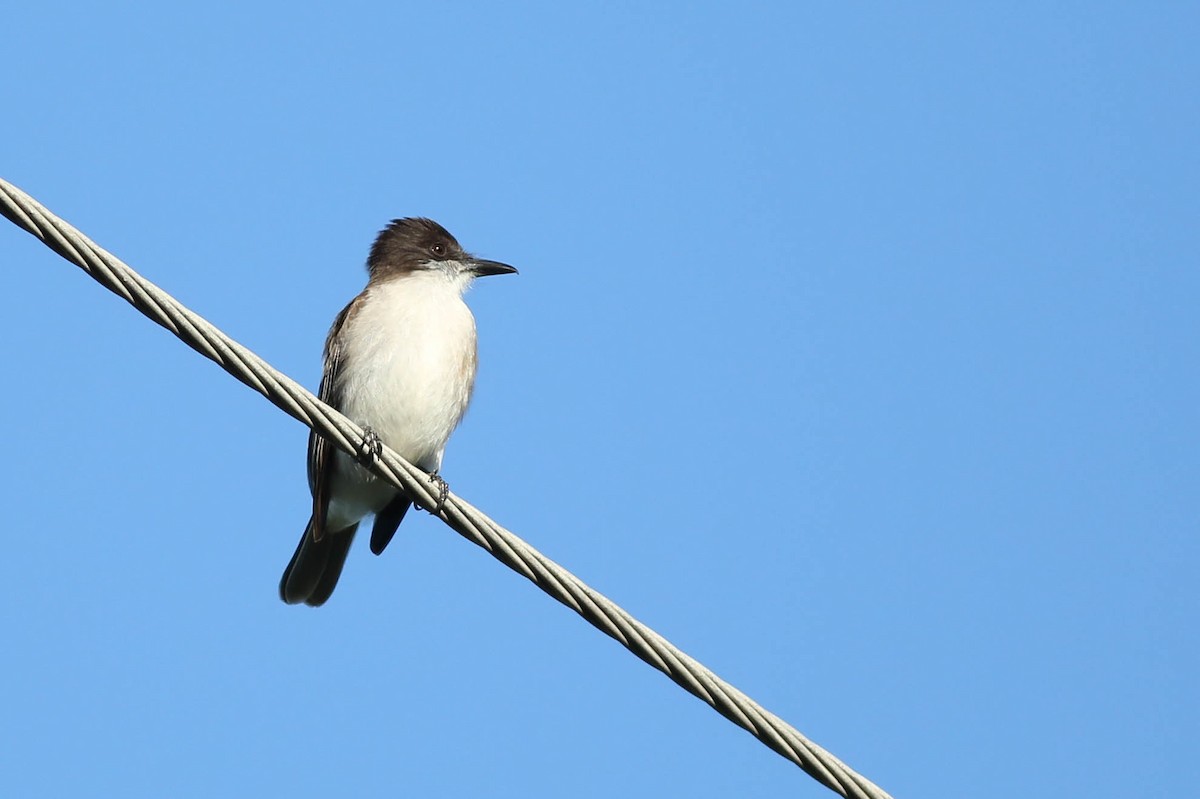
(463,518)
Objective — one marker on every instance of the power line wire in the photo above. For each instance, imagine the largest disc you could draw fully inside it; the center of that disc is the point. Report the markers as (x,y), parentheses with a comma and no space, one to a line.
(294,400)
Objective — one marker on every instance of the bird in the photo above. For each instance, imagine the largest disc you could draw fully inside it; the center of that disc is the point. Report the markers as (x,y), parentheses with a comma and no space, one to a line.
(400,361)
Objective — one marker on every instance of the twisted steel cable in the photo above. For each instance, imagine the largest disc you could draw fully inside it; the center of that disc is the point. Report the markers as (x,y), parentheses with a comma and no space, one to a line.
(294,400)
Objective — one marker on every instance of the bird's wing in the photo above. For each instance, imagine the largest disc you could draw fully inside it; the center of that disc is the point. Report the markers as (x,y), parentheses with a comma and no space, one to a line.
(320,452)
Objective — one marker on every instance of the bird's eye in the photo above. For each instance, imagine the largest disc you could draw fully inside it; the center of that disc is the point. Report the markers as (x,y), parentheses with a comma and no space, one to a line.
(438,249)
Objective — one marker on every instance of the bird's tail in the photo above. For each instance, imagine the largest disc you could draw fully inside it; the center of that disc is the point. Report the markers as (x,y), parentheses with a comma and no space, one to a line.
(313,571)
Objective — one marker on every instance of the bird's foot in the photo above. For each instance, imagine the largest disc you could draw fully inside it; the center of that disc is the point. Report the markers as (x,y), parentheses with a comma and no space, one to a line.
(443,492)
(371,447)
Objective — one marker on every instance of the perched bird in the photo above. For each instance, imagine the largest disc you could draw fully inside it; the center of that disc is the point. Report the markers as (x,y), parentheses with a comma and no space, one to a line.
(400,361)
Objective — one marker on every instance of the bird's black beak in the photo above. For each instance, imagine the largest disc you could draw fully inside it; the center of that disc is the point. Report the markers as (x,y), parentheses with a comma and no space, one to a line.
(481,268)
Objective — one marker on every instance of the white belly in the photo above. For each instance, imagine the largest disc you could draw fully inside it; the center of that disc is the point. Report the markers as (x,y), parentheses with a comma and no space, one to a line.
(410,370)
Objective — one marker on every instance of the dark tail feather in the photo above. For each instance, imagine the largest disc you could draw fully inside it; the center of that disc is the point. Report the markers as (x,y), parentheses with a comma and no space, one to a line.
(313,572)
(386,522)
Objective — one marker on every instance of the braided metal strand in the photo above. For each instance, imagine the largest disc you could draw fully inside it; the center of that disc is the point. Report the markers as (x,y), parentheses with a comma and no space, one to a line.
(462,517)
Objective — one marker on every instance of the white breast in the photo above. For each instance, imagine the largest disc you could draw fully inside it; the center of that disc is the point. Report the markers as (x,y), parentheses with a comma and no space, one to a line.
(409,372)
(410,353)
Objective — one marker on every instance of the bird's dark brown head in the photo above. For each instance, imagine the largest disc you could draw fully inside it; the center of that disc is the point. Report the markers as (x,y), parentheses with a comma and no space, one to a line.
(414,244)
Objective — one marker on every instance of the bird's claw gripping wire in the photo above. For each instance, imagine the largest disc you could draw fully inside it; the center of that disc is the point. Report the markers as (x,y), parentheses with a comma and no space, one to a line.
(371,447)
(443,492)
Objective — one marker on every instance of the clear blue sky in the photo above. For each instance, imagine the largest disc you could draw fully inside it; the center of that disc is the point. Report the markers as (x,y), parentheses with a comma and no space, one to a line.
(854,350)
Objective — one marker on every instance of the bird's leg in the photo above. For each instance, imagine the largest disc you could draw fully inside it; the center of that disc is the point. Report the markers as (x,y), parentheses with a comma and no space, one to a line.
(443,492)
(371,447)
